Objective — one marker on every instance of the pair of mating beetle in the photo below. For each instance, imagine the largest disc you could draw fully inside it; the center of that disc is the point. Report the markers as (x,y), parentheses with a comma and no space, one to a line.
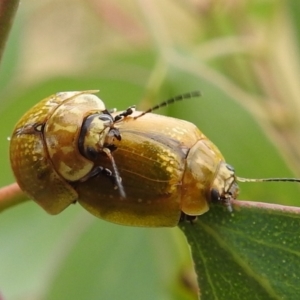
(131,168)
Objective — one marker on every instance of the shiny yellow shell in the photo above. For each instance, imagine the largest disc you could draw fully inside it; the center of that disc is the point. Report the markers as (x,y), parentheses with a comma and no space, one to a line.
(44,151)
(167,167)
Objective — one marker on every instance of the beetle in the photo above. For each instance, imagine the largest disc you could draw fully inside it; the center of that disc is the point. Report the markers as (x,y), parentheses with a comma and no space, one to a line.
(52,145)
(167,166)
(131,168)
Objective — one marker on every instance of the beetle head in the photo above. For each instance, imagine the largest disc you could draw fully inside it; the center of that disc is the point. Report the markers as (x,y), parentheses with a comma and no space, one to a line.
(224,187)
(96,134)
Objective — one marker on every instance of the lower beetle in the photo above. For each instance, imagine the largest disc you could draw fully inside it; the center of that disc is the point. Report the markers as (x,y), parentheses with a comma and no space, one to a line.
(69,148)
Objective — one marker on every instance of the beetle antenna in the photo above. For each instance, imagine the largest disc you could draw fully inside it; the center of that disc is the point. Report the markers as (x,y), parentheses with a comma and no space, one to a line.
(241,179)
(181,97)
(116,173)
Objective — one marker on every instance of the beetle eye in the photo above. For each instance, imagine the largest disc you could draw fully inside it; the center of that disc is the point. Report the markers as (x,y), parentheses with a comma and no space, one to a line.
(106,118)
(229,167)
(214,195)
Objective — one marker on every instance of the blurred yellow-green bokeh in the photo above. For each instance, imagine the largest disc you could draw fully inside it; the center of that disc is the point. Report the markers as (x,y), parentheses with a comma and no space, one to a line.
(242,55)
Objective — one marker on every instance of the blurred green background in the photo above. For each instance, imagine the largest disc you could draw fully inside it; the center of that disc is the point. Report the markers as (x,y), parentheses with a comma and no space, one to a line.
(242,55)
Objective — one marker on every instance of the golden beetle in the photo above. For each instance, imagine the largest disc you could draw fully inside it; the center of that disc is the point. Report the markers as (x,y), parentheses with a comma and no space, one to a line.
(166,170)
(45,147)
(131,168)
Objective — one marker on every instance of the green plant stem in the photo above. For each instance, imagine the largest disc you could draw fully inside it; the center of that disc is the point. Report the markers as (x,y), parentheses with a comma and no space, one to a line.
(8,9)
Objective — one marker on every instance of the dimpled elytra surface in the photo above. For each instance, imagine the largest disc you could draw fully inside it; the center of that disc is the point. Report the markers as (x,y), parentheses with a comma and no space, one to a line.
(32,166)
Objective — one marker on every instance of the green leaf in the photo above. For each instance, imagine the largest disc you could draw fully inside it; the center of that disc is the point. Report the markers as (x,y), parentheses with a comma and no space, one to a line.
(77,256)
(252,253)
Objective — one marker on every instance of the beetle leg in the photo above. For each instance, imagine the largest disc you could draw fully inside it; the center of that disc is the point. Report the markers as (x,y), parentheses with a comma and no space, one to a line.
(228,204)
(125,113)
(100,170)
(187,218)
(116,173)
(103,171)
(95,172)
